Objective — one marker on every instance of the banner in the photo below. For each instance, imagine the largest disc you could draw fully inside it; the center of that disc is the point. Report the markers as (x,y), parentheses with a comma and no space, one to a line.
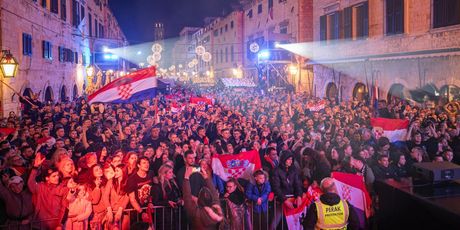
(316,106)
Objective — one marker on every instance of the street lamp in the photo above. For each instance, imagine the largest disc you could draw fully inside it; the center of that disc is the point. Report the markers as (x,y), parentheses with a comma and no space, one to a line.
(293,70)
(90,71)
(8,64)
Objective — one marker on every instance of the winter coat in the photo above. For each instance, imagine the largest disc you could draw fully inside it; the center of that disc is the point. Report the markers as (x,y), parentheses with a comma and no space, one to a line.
(113,198)
(286,181)
(79,211)
(253,193)
(18,206)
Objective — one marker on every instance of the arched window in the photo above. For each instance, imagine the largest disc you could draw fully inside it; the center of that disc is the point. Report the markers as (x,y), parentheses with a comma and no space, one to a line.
(332,91)
(75,92)
(49,97)
(63,93)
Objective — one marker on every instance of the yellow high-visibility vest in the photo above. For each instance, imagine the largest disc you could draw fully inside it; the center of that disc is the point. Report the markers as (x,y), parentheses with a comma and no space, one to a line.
(332,217)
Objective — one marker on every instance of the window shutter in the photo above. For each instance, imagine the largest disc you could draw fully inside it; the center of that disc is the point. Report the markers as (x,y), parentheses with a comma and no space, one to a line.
(44,49)
(399,16)
(390,16)
(365,16)
(323,28)
(347,22)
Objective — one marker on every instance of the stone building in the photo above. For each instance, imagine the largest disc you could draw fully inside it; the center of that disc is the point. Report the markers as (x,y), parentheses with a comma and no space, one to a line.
(54,41)
(271,22)
(403,47)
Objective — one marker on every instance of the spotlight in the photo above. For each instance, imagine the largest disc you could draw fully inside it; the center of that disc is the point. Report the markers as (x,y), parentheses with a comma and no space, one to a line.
(264,54)
(105,49)
(139,52)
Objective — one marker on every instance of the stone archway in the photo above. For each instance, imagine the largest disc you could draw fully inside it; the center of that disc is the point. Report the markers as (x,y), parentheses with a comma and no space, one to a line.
(360,92)
(332,92)
(75,92)
(49,96)
(63,93)
(396,92)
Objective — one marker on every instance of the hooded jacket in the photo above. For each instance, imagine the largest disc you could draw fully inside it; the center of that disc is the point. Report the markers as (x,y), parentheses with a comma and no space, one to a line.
(286,180)
(203,217)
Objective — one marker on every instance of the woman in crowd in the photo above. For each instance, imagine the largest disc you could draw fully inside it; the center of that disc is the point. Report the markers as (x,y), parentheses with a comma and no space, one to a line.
(166,193)
(115,197)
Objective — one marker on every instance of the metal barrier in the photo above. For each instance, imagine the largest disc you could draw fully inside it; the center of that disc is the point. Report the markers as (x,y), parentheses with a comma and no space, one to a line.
(165,218)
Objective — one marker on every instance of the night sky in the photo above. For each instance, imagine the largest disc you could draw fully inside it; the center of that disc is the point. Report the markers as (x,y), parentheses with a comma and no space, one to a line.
(136,17)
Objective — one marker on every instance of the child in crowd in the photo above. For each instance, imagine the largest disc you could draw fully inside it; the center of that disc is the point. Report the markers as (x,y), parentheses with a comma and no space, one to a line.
(258,194)
(80,208)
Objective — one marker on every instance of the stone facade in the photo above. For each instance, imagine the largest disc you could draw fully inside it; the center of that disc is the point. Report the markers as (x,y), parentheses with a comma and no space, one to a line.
(54,77)
(411,59)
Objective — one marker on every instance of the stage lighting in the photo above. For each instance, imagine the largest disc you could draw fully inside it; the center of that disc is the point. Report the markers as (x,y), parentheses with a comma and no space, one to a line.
(264,54)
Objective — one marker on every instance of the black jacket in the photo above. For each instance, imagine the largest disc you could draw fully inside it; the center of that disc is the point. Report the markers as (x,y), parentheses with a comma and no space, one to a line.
(286,181)
(329,199)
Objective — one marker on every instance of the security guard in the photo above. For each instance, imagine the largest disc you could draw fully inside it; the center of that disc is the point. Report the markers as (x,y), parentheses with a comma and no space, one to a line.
(330,212)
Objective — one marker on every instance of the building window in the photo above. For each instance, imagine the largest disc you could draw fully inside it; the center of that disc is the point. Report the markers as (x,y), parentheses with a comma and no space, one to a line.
(221,56)
(446,13)
(63,10)
(101,30)
(333,25)
(226,54)
(61,54)
(44,3)
(26,44)
(323,28)
(75,13)
(232,54)
(259,9)
(231,25)
(283,30)
(82,12)
(221,30)
(250,13)
(96,24)
(356,21)
(90,25)
(394,17)
(226,27)
(55,6)
(47,50)
(76,57)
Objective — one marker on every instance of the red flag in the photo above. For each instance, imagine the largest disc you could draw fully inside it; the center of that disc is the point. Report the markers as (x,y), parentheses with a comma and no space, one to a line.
(200,100)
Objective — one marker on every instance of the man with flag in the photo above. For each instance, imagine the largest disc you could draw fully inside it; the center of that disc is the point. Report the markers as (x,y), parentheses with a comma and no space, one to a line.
(330,212)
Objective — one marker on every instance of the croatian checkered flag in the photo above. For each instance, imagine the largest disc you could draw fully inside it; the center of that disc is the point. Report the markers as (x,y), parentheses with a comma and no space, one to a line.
(352,188)
(137,86)
(242,165)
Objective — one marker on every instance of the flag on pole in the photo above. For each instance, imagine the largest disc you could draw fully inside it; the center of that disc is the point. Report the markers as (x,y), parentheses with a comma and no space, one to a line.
(394,129)
(352,188)
(137,86)
(241,165)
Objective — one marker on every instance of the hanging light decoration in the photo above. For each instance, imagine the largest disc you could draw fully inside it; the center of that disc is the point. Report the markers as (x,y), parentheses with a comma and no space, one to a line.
(157,48)
(157,57)
(206,57)
(200,50)
(195,61)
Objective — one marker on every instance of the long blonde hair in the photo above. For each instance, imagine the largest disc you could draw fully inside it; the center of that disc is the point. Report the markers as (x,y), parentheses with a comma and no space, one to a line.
(161,177)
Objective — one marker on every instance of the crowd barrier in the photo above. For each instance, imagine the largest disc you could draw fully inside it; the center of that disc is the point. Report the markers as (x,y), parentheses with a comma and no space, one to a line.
(166,218)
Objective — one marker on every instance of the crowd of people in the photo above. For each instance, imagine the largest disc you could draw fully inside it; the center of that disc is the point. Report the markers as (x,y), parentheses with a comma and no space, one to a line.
(71,165)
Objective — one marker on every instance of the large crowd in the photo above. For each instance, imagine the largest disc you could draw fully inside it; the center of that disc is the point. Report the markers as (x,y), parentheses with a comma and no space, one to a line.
(72,165)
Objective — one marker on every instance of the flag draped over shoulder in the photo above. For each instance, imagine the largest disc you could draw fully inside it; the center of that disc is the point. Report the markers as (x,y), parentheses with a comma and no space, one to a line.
(352,188)
(393,129)
(241,165)
(137,86)
(293,215)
